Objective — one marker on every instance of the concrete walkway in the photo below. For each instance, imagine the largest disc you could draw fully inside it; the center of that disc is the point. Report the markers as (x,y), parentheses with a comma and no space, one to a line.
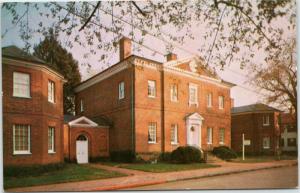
(145,178)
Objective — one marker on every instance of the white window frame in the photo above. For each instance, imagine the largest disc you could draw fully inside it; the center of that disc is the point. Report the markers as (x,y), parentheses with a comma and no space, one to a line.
(81,105)
(174,131)
(51,130)
(193,87)
(174,92)
(266,120)
(51,91)
(266,146)
(221,102)
(222,137)
(21,152)
(209,99)
(26,85)
(151,88)
(209,135)
(121,90)
(152,131)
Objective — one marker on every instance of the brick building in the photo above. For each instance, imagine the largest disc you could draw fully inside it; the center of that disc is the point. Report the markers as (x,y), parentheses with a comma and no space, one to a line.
(288,130)
(260,124)
(156,107)
(32,110)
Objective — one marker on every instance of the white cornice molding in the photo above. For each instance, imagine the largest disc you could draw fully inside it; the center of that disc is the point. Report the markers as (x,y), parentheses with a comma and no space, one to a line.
(17,62)
(76,122)
(252,112)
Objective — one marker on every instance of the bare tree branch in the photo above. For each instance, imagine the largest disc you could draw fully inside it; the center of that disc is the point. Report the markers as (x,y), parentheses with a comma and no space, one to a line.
(88,20)
(138,8)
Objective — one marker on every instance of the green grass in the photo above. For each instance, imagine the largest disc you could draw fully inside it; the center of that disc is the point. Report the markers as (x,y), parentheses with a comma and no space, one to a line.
(70,173)
(168,167)
(260,159)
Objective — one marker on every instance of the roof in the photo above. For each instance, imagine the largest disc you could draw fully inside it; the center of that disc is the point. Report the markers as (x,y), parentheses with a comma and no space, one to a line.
(17,53)
(102,121)
(258,107)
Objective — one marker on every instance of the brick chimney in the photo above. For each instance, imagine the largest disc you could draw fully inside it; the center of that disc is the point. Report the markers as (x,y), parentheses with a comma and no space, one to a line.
(125,48)
(171,56)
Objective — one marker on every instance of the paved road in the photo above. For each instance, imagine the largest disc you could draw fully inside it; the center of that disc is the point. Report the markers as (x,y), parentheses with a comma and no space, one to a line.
(286,177)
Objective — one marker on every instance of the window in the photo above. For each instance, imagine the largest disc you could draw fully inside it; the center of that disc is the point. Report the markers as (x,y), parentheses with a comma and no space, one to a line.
(121,90)
(174,134)
(209,135)
(193,90)
(151,88)
(174,92)
(21,85)
(51,140)
(291,142)
(221,102)
(221,136)
(266,142)
(266,120)
(21,139)
(152,132)
(51,90)
(81,105)
(209,100)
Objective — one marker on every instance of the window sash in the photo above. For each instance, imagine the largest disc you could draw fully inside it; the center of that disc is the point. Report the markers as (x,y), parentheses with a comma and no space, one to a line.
(174,92)
(221,102)
(81,105)
(151,88)
(221,136)
(152,132)
(21,139)
(209,100)
(209,135)
(51,91)
(121,90)
(266,120)
(266,142)
(174,134)
(51,133)
(21,85)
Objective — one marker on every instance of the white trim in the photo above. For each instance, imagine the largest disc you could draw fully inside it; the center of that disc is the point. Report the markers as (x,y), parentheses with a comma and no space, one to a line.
(16,75)
(221,100)
(196,102)
(81,105)
(192,120)
(121,88)
(267,123)
(15,152)
(83,118)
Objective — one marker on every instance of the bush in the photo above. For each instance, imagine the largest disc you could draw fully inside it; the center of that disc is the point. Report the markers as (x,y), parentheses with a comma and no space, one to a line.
(126,156)
(32,170)
(224,152)
(165,157)
(186,154)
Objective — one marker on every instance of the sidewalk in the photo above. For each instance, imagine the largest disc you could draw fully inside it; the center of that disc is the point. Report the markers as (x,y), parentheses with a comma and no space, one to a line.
(146,178)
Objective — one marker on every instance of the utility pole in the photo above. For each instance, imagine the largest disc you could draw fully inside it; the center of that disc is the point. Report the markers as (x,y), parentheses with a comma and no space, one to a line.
(243,147)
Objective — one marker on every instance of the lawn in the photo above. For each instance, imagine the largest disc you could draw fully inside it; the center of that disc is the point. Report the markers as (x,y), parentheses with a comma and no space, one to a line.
(259,159)
(167,167)
(70,173)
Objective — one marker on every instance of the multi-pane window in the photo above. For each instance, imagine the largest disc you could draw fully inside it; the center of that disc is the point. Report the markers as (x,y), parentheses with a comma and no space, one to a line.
(266,142)
(266,120)
(221,102)
(174,92)
(51,91)
(151,88)
(174,134)
(209,135)
(21,139)
(152,132)
(50,139)
(221,136)
(121,90)
(209,100)
(21,85)
(81,105)
(193,94)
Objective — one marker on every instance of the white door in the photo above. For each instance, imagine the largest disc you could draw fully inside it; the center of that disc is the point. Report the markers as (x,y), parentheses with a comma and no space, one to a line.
(194,136)
(82,152)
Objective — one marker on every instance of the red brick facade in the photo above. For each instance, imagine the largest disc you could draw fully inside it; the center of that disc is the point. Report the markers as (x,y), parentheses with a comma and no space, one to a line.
(132,114)
(34,111)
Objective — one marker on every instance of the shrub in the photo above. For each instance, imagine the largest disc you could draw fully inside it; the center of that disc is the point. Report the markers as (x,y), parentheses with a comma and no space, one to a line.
(126,156)
(186,154)
(32,170)
(165,157)
(224,152)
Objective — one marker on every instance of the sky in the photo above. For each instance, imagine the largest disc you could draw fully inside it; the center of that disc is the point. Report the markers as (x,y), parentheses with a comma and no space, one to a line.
(243,94)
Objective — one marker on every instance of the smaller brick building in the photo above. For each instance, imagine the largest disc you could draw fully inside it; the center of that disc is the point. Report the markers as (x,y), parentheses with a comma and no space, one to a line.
(288,130)
(260,124)
(85,139)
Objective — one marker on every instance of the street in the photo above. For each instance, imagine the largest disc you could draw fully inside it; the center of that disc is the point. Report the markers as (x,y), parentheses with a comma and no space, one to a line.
(286,177)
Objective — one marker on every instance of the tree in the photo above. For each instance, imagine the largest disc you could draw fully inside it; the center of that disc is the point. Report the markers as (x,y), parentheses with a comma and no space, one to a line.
(235,29)
(58,58)
(279,78)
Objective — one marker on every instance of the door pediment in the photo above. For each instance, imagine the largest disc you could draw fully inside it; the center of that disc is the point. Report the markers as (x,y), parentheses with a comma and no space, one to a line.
(83,122)
(194,116)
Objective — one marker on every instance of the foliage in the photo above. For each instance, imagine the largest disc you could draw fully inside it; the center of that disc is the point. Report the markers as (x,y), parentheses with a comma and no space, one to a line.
(186,154)
(58,58)
(232,27)
(126,156)
(165,157)
(224,152)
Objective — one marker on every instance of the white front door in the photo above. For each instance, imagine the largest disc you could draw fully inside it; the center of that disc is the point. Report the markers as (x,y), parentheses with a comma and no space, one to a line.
(82,152)
(193,128)
(194,135)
